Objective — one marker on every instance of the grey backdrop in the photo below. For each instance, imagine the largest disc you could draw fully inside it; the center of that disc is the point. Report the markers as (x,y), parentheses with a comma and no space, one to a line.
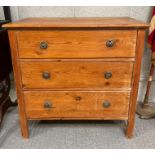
(141,13)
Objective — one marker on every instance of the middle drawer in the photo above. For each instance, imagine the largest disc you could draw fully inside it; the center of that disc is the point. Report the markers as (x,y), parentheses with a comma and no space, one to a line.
(96,75)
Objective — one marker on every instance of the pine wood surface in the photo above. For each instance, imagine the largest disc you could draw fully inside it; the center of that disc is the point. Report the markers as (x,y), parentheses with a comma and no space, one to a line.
(76,59)
(80,104)
(77,44)
(97,22)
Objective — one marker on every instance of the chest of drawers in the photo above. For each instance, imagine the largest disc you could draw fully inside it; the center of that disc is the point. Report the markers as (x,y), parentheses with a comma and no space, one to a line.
(77,68)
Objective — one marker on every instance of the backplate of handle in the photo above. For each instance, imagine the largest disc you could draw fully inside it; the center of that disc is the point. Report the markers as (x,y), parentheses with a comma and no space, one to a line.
(110,43)
(106,104)
(108,75)
(47,104)
(46,75)
(43,45)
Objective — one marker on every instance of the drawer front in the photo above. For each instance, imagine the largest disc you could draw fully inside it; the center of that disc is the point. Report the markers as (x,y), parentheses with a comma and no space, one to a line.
(79,104)
(77,44)
(76,75)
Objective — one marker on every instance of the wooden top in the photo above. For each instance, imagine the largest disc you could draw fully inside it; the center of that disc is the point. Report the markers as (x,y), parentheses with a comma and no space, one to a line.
(77,22)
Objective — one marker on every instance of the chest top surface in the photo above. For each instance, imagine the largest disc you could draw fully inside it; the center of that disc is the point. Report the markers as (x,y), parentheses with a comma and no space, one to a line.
(98,22)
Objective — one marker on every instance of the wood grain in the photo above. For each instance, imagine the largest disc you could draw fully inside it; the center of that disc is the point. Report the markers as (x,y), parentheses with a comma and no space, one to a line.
(17,77)
(76,75)
(76,59)
(65,104)
(77,44)
(80,60)
(135,84)
(84,22)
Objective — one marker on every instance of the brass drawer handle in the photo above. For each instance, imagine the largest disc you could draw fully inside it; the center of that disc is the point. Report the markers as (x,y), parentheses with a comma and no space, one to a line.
(43,45)
(106,104)
(107,75)
(46,75)
(47,105)
(110,43)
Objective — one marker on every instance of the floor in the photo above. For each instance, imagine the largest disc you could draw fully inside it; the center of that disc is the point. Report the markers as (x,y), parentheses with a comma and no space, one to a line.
(72,134)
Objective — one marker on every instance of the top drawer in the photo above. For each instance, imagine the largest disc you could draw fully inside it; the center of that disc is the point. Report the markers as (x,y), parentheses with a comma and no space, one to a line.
(77,43)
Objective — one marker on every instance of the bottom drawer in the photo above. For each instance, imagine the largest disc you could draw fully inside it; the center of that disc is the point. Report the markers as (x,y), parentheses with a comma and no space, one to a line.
(76,104)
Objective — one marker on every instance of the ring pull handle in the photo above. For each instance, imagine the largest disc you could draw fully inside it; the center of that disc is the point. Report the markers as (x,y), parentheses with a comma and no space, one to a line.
(43,45)
(110,43)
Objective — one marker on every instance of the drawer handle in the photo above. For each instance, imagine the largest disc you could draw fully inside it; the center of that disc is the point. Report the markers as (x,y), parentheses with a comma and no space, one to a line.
(107,75)
(106,104)
(78,98)
(47,105)
(110,43)
(43,45)
(46,75)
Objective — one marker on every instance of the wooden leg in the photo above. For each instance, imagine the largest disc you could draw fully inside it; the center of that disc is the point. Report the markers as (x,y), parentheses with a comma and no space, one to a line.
(130,128)
(18,82)
(23,123)
(24,128)
(135,83)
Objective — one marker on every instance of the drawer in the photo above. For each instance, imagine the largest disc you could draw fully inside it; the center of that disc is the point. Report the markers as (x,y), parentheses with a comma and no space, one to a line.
(77,43)
(76,75)
(76,104)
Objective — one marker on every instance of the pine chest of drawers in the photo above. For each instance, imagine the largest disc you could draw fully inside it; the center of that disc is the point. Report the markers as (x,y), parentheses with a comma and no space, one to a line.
(77,68)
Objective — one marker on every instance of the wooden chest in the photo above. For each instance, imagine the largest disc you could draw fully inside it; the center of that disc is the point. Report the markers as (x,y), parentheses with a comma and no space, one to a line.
(77,68)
